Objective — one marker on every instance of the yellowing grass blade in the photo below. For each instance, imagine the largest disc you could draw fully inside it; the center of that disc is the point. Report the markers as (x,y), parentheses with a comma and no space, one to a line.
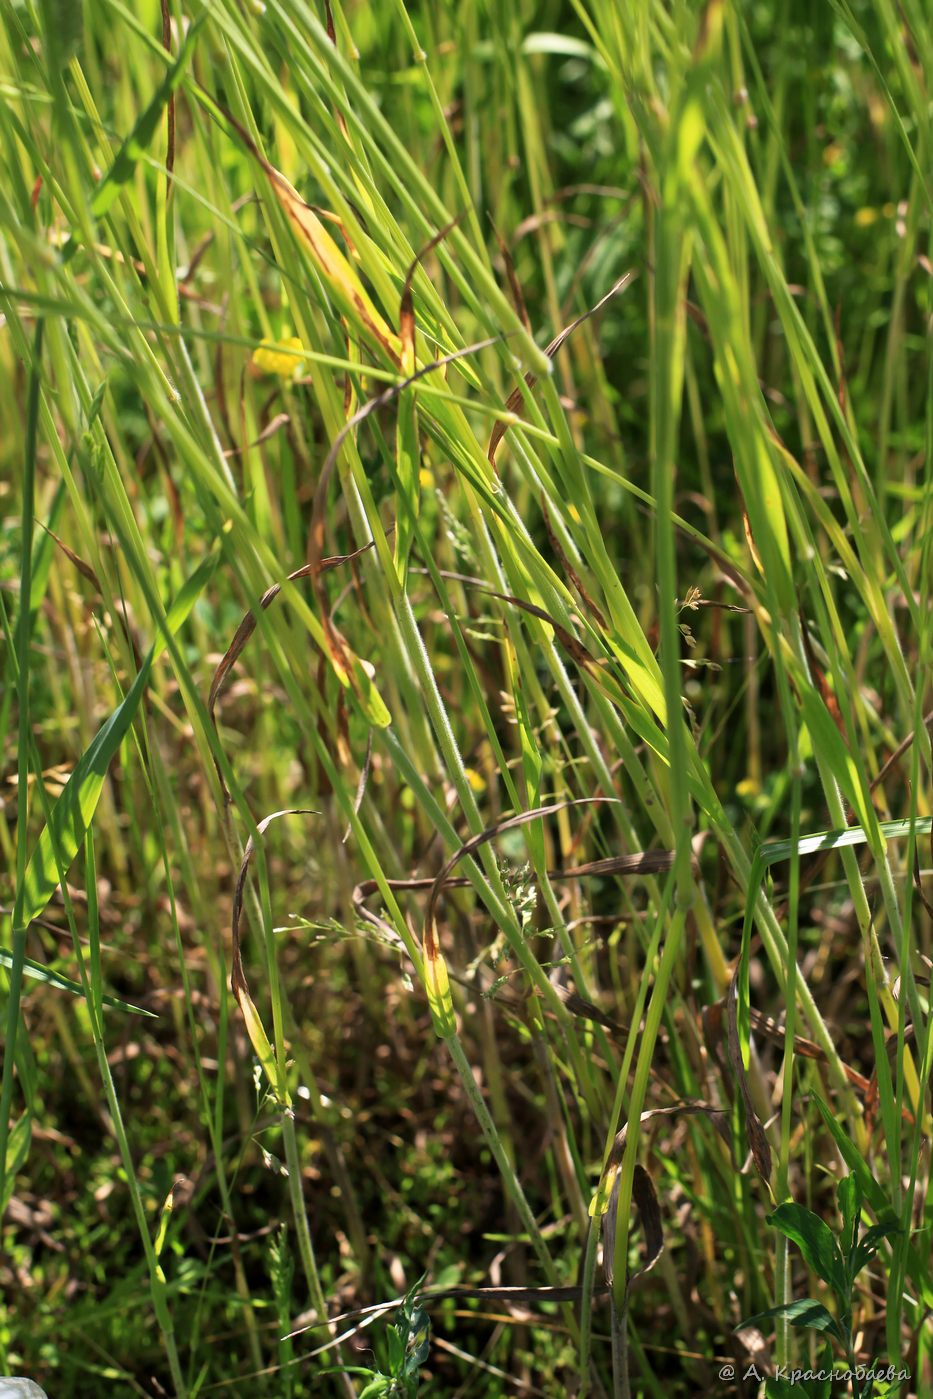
(338,274)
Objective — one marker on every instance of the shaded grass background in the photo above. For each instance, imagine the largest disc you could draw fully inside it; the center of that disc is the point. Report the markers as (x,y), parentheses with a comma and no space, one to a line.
(722,493)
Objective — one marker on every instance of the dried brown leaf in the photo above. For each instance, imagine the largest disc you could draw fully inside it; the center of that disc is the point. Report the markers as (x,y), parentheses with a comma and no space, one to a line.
(899,752)
(83,568)
(645,1197)
(687,1108)
(406,314)
(807,1049)
(248,625)
(275,425)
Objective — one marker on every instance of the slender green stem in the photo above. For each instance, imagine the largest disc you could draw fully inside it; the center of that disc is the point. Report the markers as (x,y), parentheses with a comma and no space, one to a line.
(23,638)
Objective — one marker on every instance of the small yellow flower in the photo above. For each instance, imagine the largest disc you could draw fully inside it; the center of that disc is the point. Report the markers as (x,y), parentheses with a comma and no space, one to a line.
(476,779)
(864,218)
(282,357)
(426,477)
(748,788)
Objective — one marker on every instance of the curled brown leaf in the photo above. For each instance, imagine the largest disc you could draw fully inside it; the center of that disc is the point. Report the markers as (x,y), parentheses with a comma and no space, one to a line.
(248,625)
(238,982)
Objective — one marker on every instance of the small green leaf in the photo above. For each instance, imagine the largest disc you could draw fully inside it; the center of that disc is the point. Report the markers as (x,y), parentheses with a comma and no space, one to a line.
(867,1245)
(261,1046)
(561,46)
(690,136)
(440,1001)
(395,1346)
(419,1340)
(600,1201)
(822,1389)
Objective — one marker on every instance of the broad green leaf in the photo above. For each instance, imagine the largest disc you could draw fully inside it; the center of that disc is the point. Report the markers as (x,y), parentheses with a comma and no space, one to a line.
(816,1242)
(806,1312)
(777,850)
(38,972)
